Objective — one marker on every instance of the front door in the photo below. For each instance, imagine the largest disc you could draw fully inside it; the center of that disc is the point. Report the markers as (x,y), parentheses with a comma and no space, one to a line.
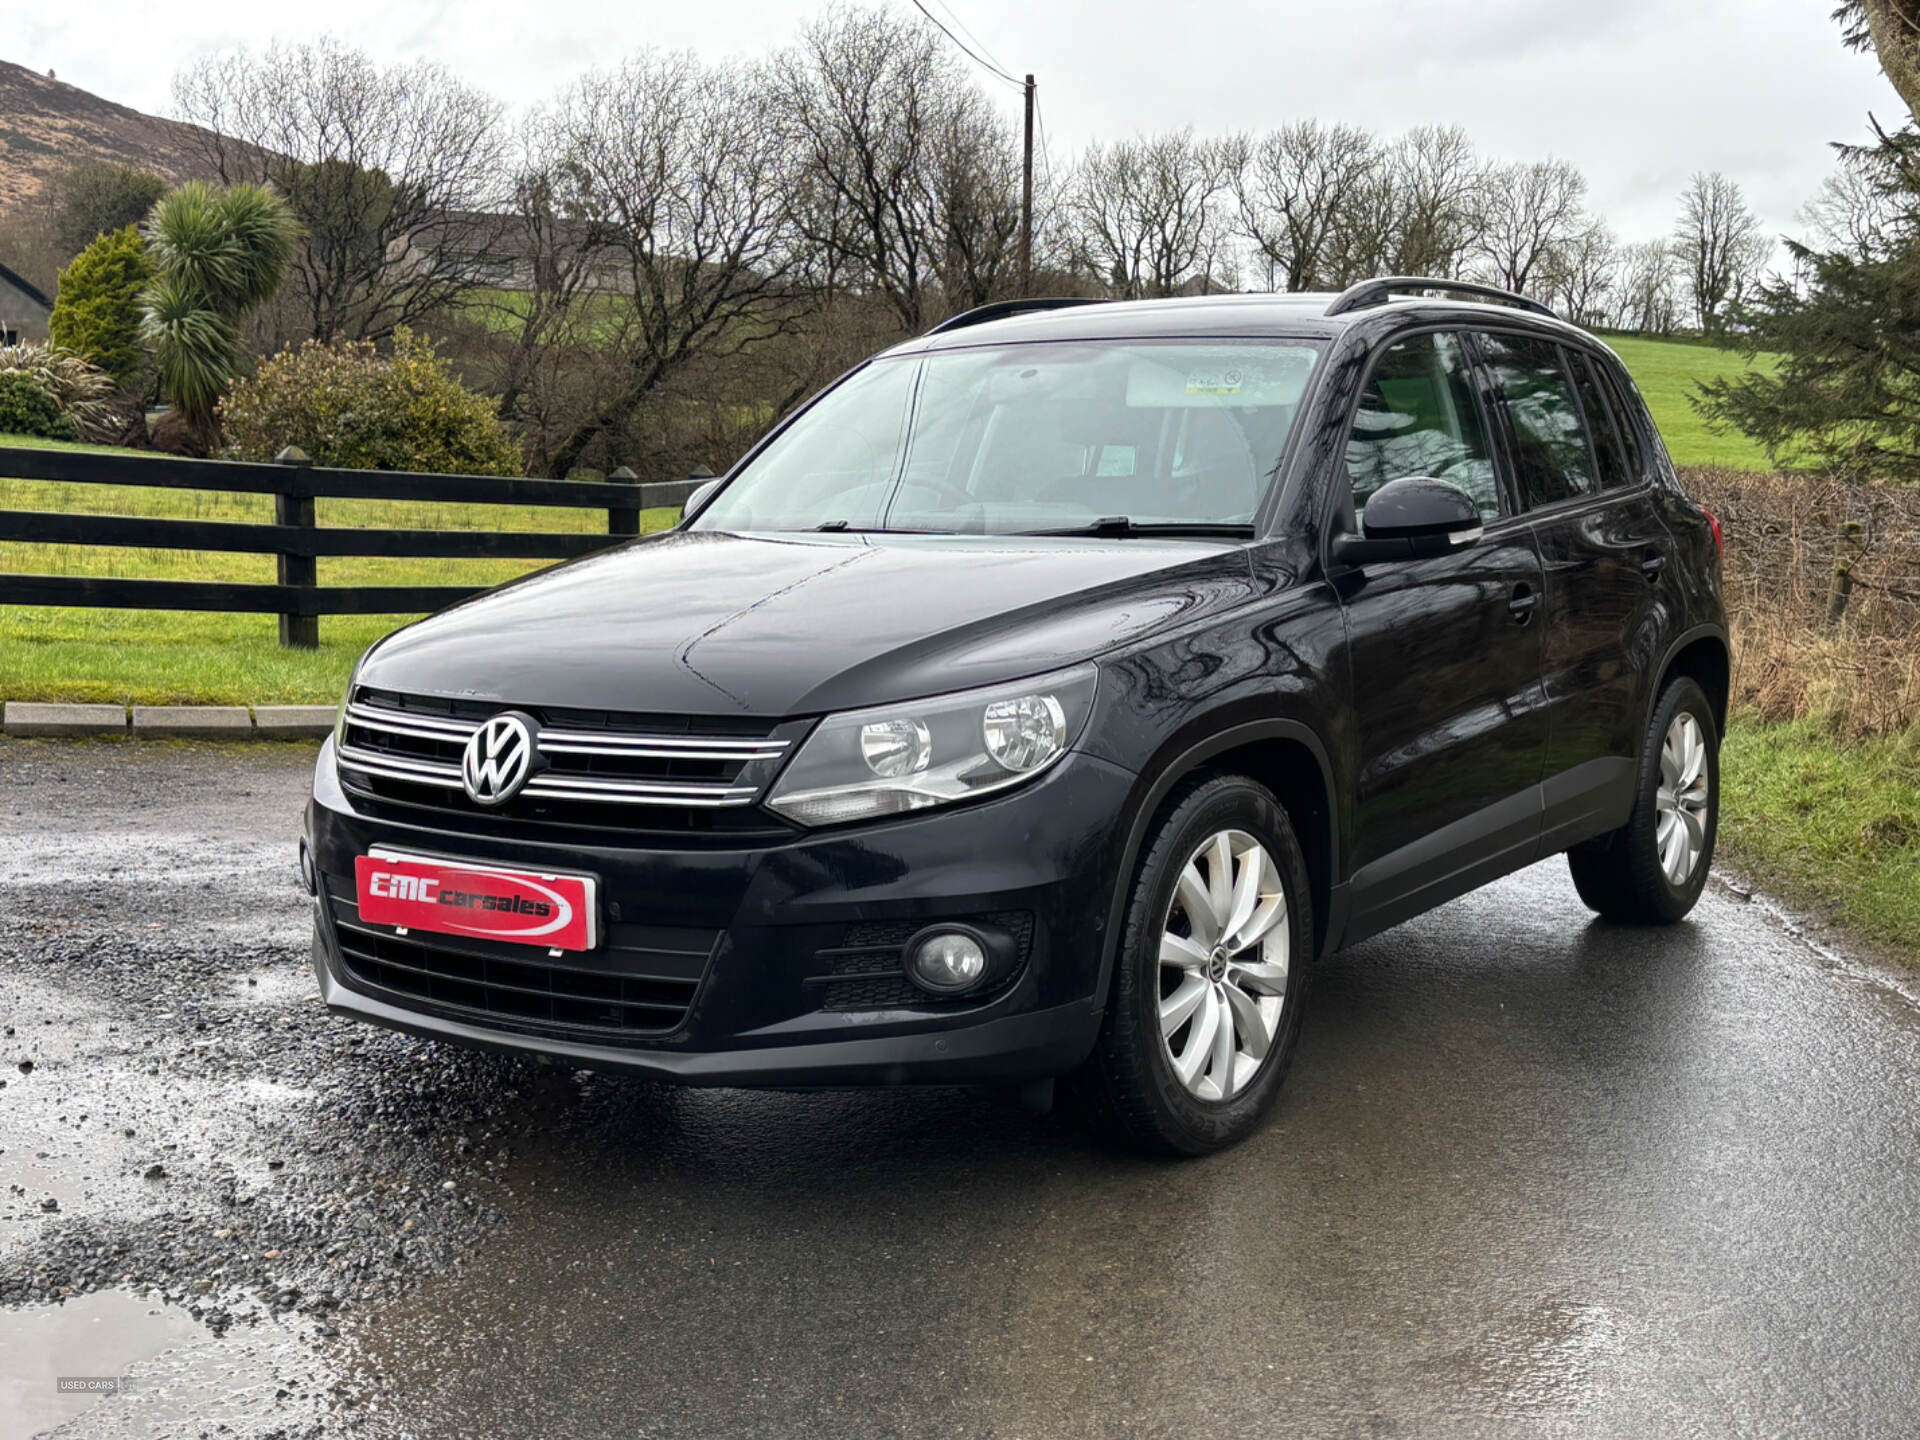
(1444,655)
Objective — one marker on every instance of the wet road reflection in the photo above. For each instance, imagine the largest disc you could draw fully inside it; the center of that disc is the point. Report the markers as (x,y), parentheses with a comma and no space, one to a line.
(1531,1174)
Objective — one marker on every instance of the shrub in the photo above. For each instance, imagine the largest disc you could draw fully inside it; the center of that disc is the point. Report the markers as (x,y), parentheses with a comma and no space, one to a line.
(345,404)
(27,409)
(97,312)
(97,198)
(82,392)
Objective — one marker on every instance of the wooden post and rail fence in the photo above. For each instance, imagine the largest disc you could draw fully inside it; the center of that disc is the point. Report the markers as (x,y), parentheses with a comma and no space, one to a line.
(294,538)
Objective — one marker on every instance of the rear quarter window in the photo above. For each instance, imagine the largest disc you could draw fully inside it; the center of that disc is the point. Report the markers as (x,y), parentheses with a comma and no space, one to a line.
(1645,450)
(1617,465)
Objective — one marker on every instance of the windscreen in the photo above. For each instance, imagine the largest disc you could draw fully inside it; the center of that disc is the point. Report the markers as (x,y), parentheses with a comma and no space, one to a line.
(1025,439)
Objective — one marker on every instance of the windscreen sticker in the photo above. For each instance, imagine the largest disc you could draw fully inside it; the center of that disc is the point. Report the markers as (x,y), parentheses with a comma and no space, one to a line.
(1225,381)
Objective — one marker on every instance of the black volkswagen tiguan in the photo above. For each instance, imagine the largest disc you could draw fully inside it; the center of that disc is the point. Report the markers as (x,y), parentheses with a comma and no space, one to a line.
(1041,700)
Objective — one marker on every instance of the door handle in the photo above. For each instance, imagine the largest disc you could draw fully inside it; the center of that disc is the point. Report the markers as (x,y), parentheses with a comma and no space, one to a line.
(1522,603)
(1651,566)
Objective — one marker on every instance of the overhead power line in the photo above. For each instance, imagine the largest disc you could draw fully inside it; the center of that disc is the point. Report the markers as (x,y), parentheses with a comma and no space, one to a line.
(965,49)
(1040,130)
(984,59)
(978,44)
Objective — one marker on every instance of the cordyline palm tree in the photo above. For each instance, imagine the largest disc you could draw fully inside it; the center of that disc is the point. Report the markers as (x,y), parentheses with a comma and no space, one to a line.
(217,254)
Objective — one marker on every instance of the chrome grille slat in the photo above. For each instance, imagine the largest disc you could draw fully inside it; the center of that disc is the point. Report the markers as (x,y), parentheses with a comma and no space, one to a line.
(401,722)
(593,787)
(649,747)
(400,767)
(393,743)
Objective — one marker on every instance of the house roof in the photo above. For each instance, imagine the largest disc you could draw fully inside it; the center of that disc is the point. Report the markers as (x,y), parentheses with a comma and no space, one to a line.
(32,292)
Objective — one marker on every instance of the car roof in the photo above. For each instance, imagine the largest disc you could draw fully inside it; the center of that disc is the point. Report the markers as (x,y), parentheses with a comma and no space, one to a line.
(1299,314)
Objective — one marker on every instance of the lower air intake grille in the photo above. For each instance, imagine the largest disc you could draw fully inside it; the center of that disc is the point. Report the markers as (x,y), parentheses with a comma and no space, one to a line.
(639,985)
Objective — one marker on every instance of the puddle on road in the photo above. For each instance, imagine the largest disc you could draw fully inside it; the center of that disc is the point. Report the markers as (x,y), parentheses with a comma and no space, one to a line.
(175,1376)
(26,1182)
(65,1138)
(103,1334)
(91,1137)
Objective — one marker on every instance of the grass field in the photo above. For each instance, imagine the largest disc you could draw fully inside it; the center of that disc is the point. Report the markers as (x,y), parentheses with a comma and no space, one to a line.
(1832,829)
(155,657)
(1666,372)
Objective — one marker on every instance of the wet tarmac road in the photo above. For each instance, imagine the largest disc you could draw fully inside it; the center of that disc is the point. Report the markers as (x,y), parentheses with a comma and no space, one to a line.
(1531,1175)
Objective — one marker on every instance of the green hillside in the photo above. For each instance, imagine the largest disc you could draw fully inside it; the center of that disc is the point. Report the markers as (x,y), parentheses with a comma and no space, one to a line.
(1665,371)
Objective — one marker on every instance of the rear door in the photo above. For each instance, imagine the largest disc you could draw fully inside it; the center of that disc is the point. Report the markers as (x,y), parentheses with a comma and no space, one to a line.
(1445,653)
(1602,546)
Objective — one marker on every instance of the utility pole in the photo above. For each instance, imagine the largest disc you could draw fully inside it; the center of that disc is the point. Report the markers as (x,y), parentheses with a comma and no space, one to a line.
(1026,202)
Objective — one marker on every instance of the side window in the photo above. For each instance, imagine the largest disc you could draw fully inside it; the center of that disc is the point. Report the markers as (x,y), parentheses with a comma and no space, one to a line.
(1418,416)
(1604,422)
(1552,457)
(1630,416)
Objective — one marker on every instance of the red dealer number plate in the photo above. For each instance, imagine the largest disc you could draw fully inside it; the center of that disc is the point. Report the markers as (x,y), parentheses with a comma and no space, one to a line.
(452,897)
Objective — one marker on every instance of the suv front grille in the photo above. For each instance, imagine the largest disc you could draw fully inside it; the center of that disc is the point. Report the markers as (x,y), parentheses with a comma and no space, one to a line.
(409,748)
(639,985)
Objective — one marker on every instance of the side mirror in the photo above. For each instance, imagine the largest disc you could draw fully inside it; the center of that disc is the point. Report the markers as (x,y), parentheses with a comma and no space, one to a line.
(1412,519)
(697,497)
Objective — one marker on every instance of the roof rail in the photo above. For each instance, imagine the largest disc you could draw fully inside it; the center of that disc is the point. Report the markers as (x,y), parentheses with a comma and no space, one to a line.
(1001,309)
(1369,293)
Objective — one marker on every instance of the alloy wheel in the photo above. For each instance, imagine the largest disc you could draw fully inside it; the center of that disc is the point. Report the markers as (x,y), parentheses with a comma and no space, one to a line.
(1223,965)
(1680,804)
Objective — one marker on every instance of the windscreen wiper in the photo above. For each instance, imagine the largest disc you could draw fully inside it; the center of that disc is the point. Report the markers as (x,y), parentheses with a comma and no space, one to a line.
(1124,526)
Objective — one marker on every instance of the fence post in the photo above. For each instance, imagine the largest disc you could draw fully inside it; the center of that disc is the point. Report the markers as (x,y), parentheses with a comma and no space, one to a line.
(298,632)
(623,519)
(1841,586)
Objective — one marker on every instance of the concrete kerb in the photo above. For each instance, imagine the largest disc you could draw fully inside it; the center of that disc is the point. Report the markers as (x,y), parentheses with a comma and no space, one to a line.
(41,719)
(28,719)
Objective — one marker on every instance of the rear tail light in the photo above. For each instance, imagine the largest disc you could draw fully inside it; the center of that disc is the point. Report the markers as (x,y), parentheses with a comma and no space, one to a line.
(1713,524)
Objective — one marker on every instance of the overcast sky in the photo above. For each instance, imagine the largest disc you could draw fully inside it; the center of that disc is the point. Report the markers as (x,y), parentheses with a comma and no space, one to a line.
(1637,93)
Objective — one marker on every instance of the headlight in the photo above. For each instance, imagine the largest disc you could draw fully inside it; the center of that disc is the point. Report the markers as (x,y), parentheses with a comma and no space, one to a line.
(921,753)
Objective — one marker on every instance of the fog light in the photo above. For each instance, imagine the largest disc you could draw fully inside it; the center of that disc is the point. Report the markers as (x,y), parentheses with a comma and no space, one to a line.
(947,961)
(307,877)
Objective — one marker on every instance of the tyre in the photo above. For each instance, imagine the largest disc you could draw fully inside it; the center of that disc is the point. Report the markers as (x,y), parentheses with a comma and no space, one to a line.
(1652,869)
(1211,979)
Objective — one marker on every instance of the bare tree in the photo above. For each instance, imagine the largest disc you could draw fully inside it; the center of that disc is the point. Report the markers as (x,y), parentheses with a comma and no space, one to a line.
(1647,288)
(1577,275)
(1719,244)
(1859,208)
(907,183)
(1146,213)
(1296,188)
(678,175)
(1366,240)
(396,173)
(536,332)
(1434,201)
(977,193)
(1527,212)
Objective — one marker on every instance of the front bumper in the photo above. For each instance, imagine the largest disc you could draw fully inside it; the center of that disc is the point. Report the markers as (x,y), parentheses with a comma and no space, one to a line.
(774,910)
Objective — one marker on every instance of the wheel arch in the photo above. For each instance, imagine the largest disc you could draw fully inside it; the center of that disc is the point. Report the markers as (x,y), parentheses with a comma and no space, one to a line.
(1289,759)
(1702,655)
